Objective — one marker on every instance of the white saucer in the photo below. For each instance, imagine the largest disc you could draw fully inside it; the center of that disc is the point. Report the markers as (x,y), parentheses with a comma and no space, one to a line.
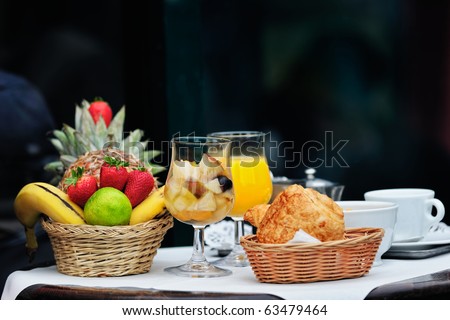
(438,235)
(409,240)
(419,244)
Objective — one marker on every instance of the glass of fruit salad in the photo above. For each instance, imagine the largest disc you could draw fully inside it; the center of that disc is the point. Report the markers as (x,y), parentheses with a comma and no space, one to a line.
(252,184)
(199,191)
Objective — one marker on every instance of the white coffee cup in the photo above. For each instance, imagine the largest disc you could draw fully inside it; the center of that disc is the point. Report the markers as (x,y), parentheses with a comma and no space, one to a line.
(414,216)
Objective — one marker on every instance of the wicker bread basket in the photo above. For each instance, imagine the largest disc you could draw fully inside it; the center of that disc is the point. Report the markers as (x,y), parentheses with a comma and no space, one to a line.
(310,262)
(97,251)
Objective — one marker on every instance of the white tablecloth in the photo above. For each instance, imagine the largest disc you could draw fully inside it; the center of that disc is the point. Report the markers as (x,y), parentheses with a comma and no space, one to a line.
(241,281)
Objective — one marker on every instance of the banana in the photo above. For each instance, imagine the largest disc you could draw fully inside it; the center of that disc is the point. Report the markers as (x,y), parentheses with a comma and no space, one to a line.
(40,197)
(149,208)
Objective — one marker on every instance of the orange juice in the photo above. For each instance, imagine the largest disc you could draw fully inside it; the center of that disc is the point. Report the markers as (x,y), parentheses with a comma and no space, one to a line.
(251,182)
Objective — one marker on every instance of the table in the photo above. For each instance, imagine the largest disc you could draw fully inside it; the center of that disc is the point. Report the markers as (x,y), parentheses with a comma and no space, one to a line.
(384,281)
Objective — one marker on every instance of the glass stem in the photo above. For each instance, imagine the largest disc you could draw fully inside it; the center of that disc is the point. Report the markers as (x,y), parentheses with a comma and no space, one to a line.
(198,254)
(238,232)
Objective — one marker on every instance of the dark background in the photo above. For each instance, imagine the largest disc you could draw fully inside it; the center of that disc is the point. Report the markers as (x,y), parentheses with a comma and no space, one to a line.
(375,73)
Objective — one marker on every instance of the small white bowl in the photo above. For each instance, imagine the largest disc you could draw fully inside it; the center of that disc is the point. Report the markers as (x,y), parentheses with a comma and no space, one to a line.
(372,214)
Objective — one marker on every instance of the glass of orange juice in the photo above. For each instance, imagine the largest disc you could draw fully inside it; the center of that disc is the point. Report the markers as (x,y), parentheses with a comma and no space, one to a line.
(198,192)
(252,184)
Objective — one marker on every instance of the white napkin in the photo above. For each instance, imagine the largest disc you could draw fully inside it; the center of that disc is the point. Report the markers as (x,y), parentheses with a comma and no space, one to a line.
(302,236)
(220,235)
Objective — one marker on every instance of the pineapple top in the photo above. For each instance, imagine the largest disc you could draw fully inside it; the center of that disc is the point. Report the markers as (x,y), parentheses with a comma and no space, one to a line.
(89,142)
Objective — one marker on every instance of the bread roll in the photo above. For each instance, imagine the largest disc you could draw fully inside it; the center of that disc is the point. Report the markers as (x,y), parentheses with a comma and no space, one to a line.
(299,208)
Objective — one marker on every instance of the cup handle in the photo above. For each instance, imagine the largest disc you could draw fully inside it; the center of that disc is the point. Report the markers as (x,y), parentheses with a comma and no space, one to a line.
(440,212)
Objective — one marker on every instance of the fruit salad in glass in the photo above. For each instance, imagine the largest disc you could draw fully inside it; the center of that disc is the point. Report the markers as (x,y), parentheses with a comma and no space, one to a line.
(199,192)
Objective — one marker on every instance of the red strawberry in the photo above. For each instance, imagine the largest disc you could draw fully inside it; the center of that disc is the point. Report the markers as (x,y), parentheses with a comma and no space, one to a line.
(140,184)
(100,108)
(81,188)
(113,173)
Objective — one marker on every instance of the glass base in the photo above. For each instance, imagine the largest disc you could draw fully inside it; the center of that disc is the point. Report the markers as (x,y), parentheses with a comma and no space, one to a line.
(236,258)
(198,270)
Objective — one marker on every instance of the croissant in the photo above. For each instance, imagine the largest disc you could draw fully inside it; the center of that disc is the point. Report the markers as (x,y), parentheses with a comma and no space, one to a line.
(255,215)
(298,208)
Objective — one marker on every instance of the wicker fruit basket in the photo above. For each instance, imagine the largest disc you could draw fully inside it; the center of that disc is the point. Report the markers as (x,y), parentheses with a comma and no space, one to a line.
(96,251)
(310,262)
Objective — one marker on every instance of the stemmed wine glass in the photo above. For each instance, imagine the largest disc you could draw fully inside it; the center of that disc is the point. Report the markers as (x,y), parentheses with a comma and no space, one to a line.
(251,181)
(199,191)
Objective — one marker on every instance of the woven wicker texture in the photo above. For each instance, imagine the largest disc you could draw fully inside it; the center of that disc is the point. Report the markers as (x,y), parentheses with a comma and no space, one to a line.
(96,251)
(310,262)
